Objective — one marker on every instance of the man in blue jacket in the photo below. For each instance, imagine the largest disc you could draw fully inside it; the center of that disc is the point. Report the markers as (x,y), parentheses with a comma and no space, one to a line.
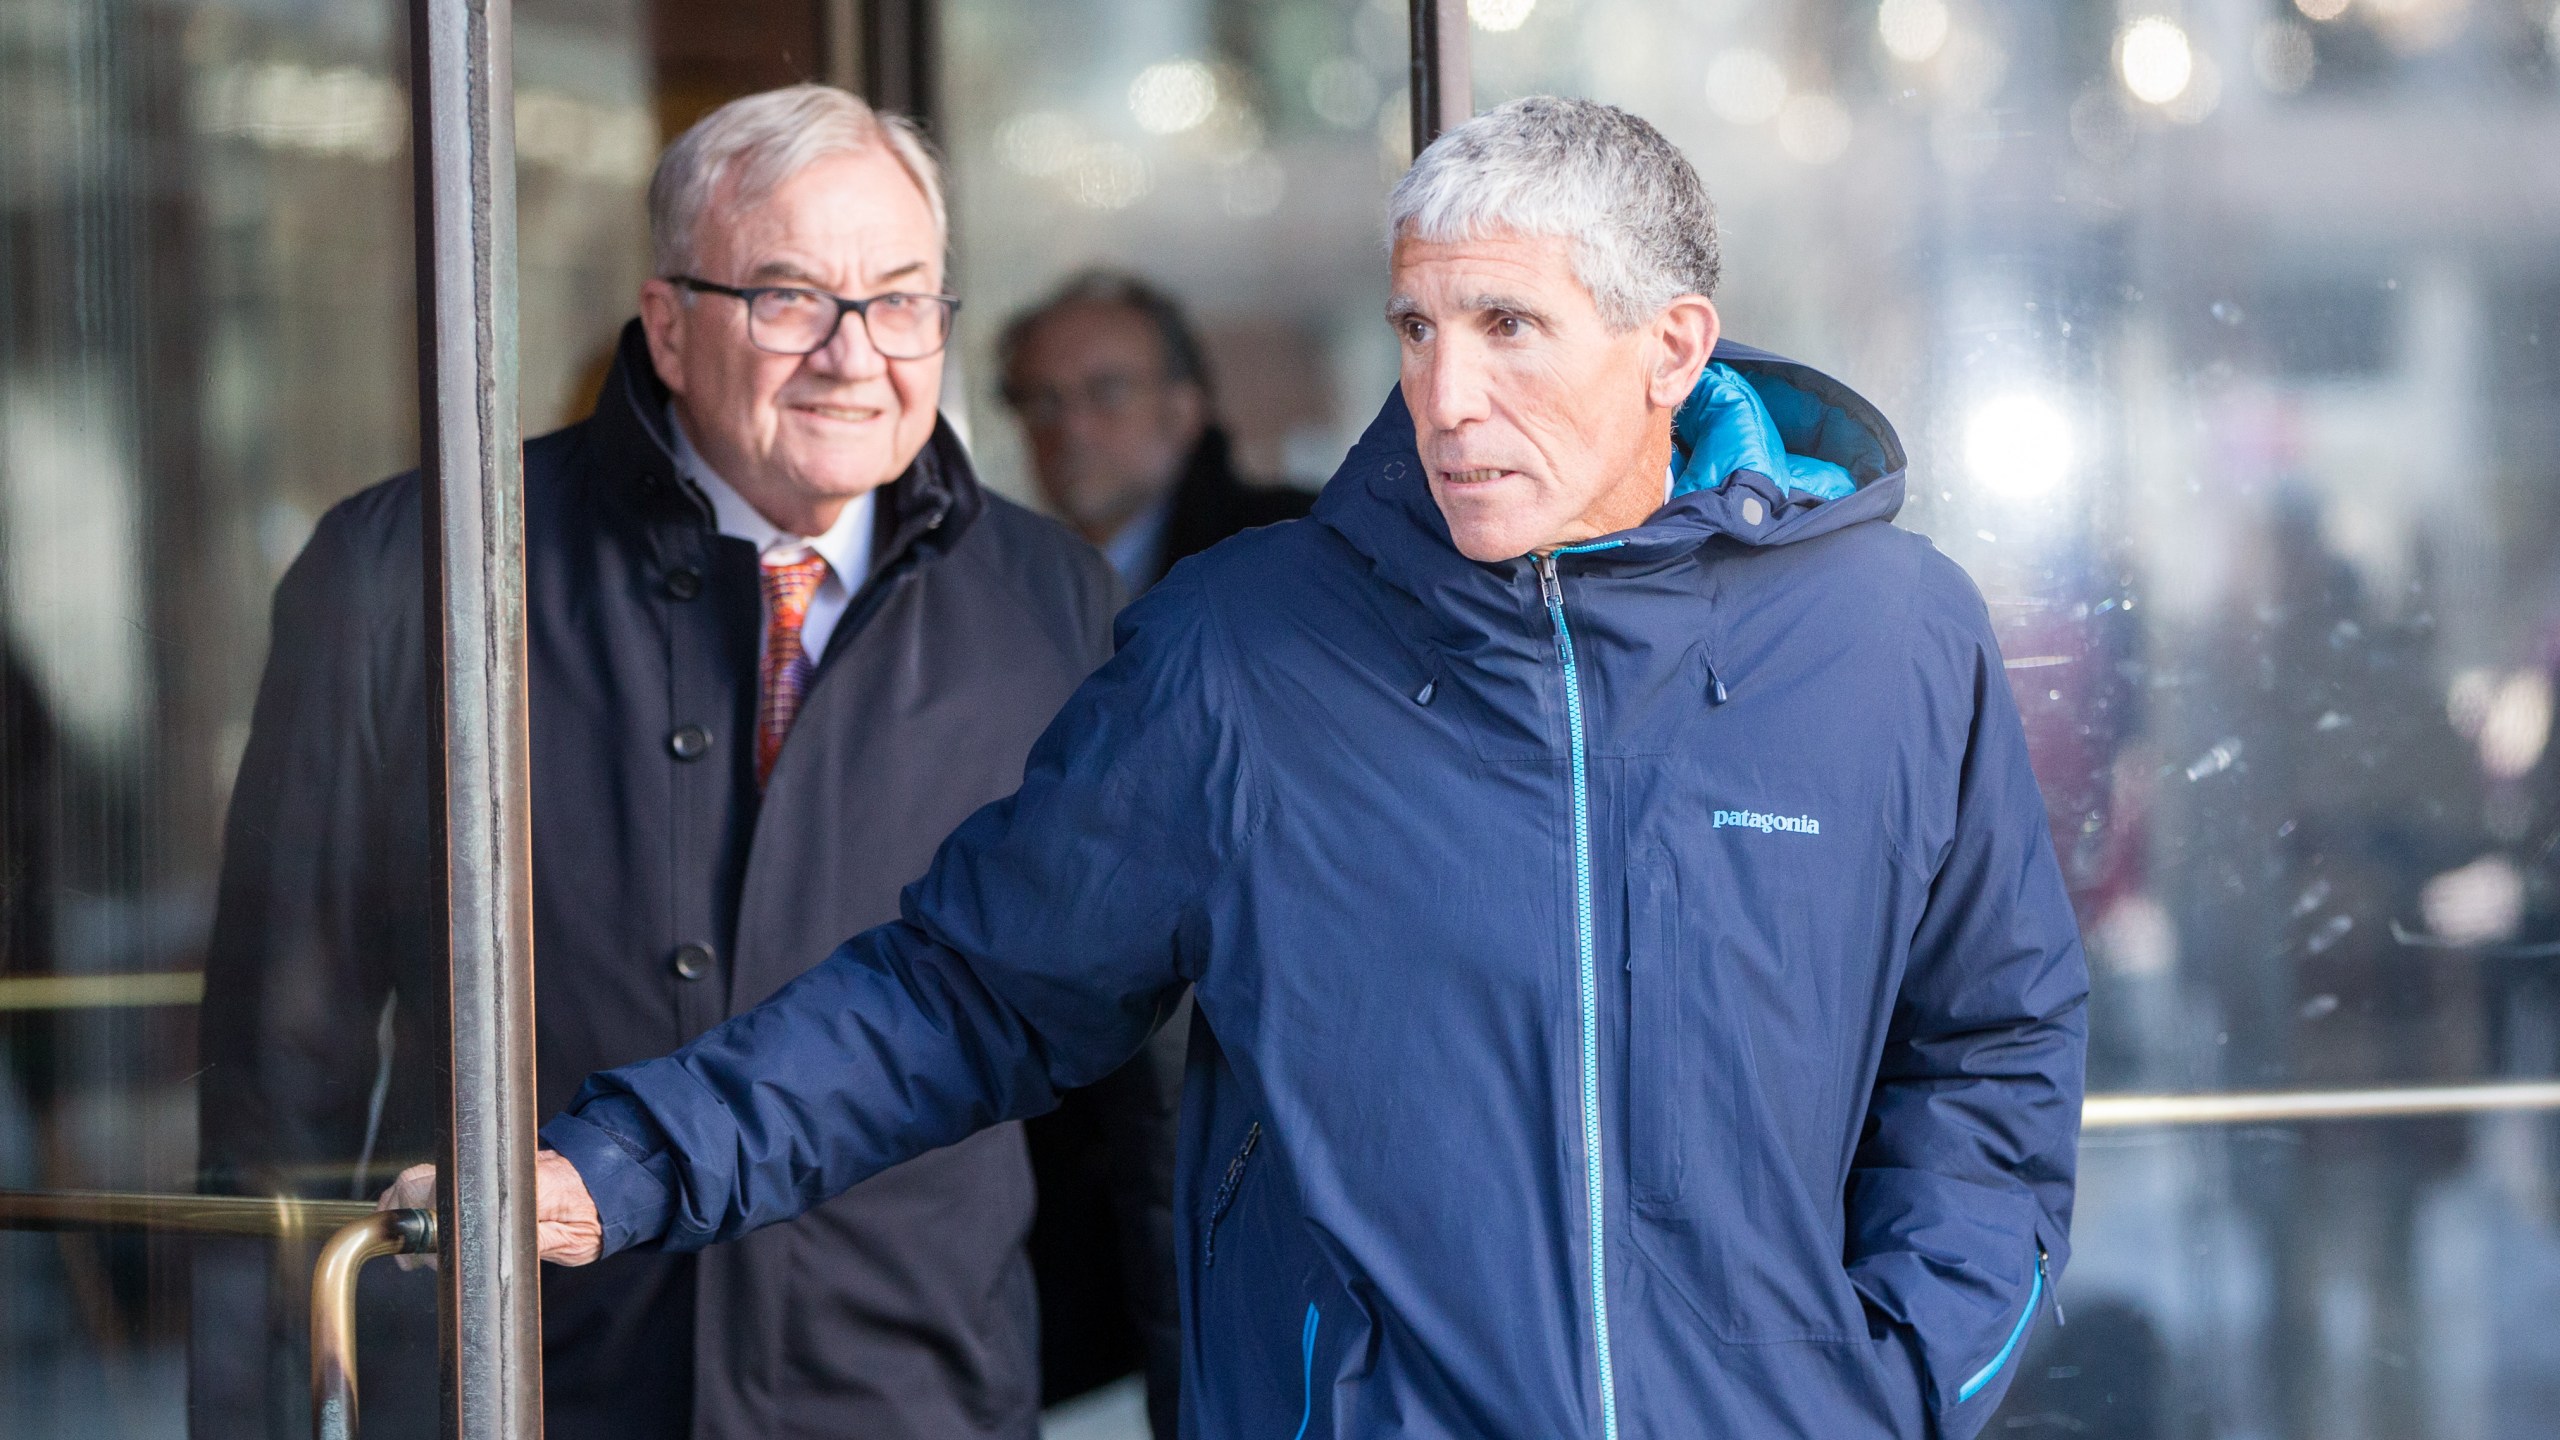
(1636,993)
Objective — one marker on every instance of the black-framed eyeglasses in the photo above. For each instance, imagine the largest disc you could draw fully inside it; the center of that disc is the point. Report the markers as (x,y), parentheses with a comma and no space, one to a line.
(795,320)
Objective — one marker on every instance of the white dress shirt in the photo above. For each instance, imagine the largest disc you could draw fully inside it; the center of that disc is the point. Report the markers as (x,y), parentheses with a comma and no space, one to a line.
(846,546)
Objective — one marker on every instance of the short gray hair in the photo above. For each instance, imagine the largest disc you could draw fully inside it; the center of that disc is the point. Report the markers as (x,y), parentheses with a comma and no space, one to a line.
(758,142)
(1642,230)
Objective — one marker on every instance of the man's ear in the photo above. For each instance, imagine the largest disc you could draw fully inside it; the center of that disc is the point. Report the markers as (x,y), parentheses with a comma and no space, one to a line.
(1683,341)
(662,317)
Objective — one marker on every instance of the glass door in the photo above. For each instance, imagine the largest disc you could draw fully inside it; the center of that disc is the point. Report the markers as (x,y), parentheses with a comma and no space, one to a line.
(217,1044)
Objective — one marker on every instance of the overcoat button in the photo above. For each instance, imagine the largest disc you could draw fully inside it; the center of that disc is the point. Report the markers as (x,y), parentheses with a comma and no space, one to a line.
(1753,512)
(684,582)
(692,961)
(690,742)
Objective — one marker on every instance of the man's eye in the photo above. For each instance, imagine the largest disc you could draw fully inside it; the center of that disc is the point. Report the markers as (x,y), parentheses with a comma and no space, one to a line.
(1507,326)
(1415,331)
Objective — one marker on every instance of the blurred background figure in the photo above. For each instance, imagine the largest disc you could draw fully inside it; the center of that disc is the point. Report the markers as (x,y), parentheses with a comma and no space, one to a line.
(1119,415)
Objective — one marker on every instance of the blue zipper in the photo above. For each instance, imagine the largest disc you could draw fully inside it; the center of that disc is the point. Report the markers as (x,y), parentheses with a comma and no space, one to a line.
(1984,1376)
(1307,1364)
(1553,590)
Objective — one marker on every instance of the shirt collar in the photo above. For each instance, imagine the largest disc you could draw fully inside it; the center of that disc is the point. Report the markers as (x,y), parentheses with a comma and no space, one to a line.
(846,546)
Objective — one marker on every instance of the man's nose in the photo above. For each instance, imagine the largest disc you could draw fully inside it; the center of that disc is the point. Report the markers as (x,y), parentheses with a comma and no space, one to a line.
(849,353)
(1452,390)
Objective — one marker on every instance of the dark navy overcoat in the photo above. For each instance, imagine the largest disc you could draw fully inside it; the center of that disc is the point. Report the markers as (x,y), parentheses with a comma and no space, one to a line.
(669,894)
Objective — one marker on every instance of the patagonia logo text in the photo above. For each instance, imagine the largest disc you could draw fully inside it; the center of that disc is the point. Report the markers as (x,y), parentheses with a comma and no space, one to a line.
(1754,820)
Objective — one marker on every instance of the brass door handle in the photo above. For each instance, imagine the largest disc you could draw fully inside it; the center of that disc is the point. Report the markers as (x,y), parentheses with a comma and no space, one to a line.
(361,1233)
(333,1308)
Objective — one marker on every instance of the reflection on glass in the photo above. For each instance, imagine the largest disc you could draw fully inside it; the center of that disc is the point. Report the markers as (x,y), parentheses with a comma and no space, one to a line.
(206,339)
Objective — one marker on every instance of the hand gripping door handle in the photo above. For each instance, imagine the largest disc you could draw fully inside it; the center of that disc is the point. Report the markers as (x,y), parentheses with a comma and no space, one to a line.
(333,1308)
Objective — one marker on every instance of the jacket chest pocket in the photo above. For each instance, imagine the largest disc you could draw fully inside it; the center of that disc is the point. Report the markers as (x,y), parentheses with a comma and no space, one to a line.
(1722,1207)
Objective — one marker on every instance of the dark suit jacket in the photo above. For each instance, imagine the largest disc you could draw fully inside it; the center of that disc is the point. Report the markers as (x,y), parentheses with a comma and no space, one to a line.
(1212,502)
(903,1308)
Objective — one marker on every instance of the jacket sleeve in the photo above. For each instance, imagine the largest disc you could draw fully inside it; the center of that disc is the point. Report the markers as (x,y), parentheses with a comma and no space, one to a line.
(1050,937)
(1959,1196)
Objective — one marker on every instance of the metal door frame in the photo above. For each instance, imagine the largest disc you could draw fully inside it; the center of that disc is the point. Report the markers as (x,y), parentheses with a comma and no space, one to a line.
(462,143)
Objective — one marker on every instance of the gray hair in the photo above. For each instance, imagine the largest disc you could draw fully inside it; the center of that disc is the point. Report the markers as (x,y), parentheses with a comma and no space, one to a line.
(758,142)
(1642,230)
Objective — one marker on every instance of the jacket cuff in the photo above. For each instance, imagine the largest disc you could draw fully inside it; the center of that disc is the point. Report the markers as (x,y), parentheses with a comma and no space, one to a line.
(618,1151)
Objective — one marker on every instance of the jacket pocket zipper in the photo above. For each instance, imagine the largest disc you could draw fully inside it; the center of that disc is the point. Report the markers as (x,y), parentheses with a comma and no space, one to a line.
(1984,1376)
(1227,1192)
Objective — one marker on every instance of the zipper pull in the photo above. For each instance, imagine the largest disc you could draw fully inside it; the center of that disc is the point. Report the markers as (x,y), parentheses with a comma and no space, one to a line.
(1548,585)
(1715,685)
(2054,1295)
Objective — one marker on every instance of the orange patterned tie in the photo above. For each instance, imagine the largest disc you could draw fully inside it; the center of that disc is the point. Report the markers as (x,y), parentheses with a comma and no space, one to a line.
(788,586)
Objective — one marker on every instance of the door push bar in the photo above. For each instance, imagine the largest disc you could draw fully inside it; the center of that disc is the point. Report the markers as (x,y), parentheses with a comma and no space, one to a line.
(357,1233)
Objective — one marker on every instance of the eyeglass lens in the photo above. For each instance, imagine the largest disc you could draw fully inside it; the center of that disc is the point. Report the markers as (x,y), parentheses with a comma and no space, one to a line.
(797,322)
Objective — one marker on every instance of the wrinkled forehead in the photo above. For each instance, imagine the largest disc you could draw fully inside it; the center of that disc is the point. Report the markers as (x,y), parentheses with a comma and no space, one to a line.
(1493,270)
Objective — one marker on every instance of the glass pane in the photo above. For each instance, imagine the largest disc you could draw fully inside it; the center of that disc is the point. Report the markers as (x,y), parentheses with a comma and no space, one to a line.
(1234,155)
(2252,454)
(206,341)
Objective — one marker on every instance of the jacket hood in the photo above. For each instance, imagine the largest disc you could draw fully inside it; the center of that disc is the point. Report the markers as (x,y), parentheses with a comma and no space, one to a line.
(1771,451)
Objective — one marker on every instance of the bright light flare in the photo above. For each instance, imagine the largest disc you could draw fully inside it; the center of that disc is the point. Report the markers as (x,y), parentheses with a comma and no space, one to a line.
(1172,96)
(2018,445)
(1500,16)
(2155,59)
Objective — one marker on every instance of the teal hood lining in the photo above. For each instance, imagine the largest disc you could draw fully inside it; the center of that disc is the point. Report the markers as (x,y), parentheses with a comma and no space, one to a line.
(1731,423)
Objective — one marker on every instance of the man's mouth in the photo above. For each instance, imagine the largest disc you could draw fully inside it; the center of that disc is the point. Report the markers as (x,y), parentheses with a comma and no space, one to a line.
(848,414)
(1480,476)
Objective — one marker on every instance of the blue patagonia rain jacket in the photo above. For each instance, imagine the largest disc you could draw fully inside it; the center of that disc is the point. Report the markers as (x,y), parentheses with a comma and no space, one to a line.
(1637,997)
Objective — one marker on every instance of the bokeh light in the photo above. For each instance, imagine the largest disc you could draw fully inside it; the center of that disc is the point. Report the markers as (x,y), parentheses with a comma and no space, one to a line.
(1746,87)
(1172,96)
(2155,59)
(1814,129)
(1912,30)
(2283,57)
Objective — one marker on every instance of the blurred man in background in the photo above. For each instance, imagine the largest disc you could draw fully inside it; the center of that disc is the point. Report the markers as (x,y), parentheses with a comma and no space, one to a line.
(1116,402)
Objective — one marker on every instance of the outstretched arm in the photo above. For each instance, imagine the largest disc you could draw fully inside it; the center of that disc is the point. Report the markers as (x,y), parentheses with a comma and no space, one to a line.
(1053,932)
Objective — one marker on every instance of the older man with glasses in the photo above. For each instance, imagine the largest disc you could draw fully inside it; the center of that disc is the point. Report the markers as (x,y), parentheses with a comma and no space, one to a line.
(782,641)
